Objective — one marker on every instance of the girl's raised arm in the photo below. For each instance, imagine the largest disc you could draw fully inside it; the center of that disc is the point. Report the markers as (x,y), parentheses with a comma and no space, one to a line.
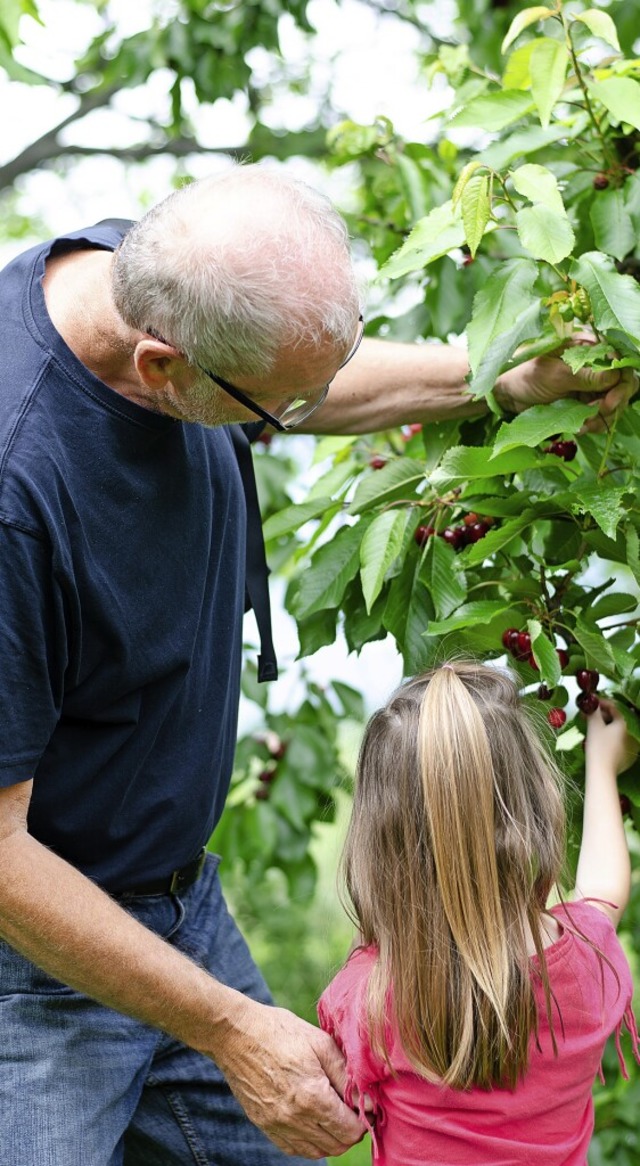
(604,867)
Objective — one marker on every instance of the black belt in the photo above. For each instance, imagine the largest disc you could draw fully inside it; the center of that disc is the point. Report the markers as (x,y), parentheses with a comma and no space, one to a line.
(173,884)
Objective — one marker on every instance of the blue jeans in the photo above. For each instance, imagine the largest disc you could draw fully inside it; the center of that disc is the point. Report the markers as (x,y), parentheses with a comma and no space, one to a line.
(82,1085)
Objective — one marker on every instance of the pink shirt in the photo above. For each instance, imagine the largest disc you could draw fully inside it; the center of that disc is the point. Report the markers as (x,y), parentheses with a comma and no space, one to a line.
(547,1120)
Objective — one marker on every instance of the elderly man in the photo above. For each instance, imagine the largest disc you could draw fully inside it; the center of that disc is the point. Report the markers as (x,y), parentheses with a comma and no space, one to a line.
(133,1019)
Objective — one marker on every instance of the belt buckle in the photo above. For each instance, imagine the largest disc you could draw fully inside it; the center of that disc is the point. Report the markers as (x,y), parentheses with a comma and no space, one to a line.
(187,875)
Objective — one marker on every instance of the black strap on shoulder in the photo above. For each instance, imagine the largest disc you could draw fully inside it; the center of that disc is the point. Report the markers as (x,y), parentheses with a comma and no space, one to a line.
(257,572)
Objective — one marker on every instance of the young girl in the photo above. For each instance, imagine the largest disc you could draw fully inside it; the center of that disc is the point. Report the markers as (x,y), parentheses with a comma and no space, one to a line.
(472,1018)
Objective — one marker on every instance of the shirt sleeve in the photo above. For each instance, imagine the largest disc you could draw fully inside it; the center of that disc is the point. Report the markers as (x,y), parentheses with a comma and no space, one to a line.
(32,652)
(342,1014)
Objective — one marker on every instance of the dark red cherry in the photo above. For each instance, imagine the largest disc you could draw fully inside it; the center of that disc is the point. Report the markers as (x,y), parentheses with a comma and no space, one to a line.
(524,643)
(452,536)
(510,638)
(587,702)
(563,657)
(422,533)
(544,693)
(476,531)
(587,679)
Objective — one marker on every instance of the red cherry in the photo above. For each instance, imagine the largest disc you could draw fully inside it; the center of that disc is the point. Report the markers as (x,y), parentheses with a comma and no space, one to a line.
(587,702)
(452,536)
(422,533)
(467,261)
(524,643)
(532,662)
(267,776)
(278,750)
(262,793)
(477,531)
(569,450)
(587,679)
(556,718)
(377,463)
(563,657)
(625,804)
(600,182)
(412,429)
(509,638)
(469,519)
(543,692)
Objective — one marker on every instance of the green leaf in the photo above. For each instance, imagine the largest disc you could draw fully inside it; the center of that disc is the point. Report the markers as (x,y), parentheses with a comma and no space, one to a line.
(580,355)
(540,422)
(595,647)
(479,612)
(464,463)
(569,740)
(317,631)
(603,500)
(528,141)
(407,614)
(544,654)
(334,564)
(615,299)
(465,174)
(523,20)
(438,436)
(633,551)
(517,74)
(538,184)
(378,550)
(393,481)
(476,210)
(505,312)
(497,538)
(549,61)
(621,97)
(601,25)
(612,224)
(446,584)
(351,700)
(544,233)
(438,233)
(293,517)
(493,111)
(613,603)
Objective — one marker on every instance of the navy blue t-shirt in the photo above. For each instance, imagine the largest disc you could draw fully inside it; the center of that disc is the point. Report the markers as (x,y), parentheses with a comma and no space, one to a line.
(122,552)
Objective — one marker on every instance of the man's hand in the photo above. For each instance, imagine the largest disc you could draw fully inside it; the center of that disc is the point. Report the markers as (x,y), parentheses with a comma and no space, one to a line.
(289,1077)
(547,378)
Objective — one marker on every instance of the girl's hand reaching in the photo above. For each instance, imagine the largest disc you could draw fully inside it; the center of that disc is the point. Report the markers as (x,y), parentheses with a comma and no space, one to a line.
(604,868)
(608,740)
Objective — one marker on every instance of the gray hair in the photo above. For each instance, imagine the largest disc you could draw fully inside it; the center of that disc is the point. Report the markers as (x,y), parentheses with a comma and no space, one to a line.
(232,269)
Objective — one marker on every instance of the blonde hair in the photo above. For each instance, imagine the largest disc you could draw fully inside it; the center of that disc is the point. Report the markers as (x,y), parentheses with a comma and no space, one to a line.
(456,839)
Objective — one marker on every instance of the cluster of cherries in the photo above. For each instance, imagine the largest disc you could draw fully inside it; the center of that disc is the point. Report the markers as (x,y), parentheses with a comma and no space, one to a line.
(567,450)
(519,645)
(267,776)
(473,528)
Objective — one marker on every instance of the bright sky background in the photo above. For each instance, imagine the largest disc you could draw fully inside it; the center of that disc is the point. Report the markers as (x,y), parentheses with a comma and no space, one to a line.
(370,62)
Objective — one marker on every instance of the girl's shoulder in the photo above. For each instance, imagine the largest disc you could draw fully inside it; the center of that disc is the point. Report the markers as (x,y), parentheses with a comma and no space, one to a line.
(348,987)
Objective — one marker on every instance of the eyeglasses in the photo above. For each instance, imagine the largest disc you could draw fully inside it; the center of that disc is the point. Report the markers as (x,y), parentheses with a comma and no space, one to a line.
(291,412)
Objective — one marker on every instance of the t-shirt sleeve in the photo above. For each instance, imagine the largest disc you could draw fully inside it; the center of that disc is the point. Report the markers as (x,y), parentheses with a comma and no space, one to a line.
(342,1013)
(588,922)
(32,652)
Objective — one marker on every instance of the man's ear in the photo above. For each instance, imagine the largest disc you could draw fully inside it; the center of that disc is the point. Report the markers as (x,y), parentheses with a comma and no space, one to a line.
(157,362)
